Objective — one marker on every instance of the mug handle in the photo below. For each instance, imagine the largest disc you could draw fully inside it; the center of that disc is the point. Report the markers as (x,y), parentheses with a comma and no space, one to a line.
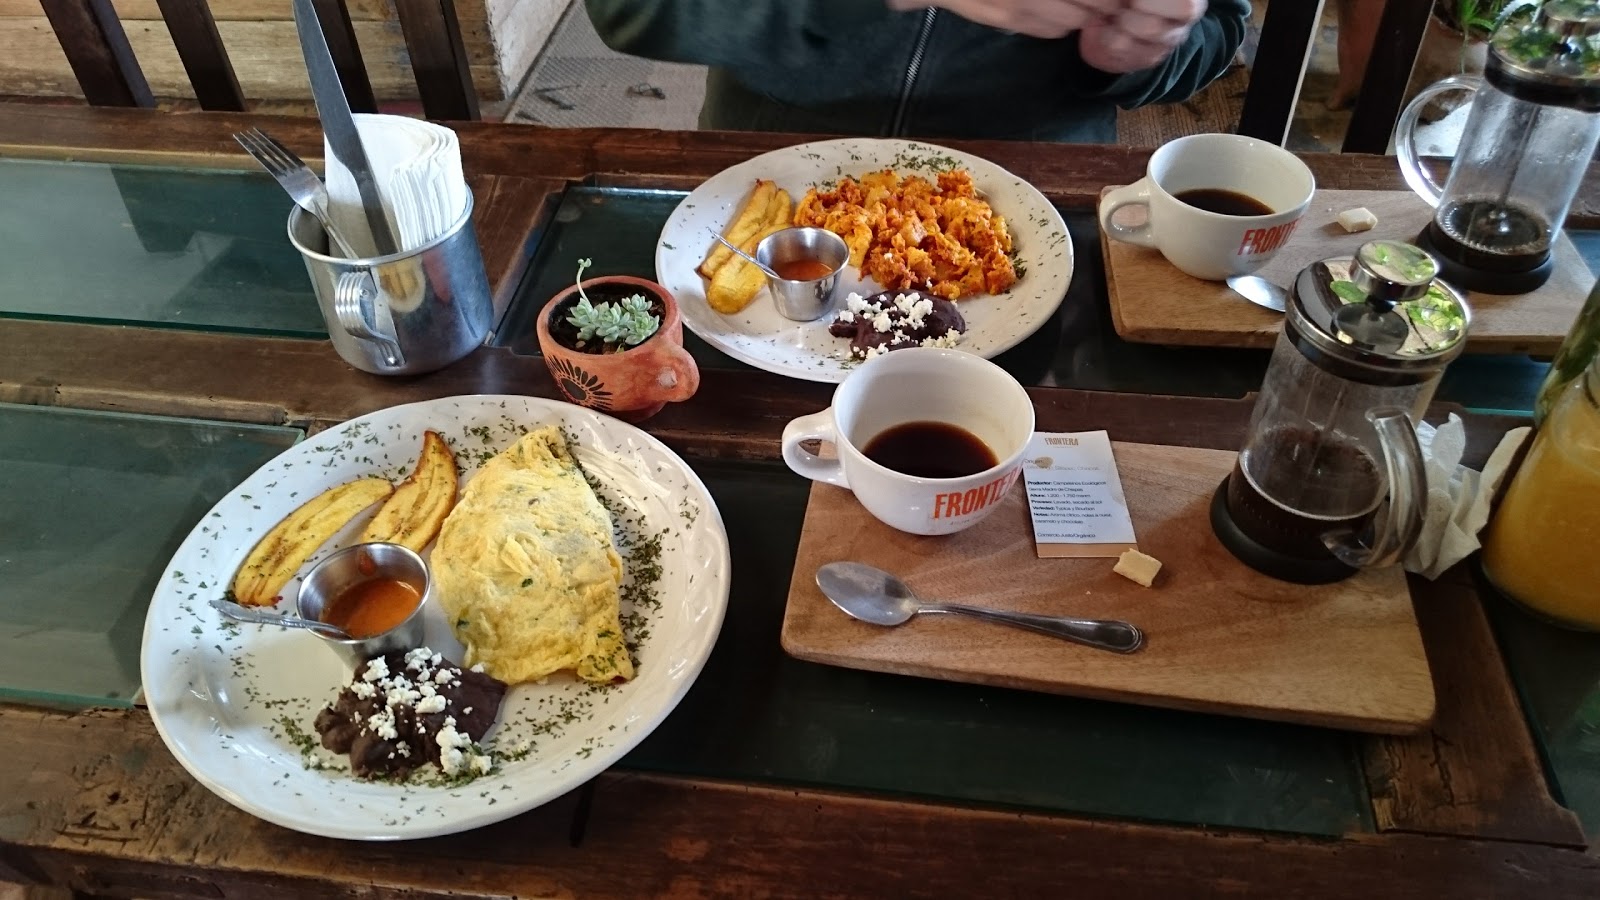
(820,427)
(1405,136)
(680,378)
(1136,194)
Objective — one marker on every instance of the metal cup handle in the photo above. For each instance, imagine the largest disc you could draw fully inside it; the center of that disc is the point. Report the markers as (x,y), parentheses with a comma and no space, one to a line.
(356,305)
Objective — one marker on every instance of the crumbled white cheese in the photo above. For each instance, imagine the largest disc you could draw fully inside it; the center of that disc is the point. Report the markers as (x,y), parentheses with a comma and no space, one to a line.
(450,760)
(481,763)
(363,689)
(376,669)
(881,322)
(444,676)
(467,711)
(418,658)
(477,667)
(916,310)
(402,695)
(433,704)
(451,744)
(382,724)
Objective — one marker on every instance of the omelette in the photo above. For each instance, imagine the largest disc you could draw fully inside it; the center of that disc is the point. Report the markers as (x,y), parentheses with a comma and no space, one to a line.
(526,570)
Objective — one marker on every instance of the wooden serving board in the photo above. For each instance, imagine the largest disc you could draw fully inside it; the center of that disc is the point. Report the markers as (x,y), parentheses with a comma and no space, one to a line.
(1154,303)
(1220,637)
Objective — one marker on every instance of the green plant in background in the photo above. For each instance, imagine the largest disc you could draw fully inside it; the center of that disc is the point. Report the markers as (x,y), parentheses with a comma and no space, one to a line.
(618,325)
(1477,19)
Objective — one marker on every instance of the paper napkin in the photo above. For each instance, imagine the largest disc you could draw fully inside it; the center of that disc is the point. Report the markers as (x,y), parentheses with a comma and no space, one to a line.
(417,167)
(1458,497)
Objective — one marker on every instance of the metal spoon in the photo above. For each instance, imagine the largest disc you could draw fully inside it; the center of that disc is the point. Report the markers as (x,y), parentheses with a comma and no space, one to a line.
(239,613)
(1259,291)
(747,257)
(873,595)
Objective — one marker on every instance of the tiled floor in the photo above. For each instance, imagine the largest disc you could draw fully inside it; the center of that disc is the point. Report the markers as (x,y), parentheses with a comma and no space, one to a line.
(578,82)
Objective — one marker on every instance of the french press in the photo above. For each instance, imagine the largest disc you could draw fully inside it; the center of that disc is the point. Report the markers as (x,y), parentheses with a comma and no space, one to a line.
(1330,478)
(1523,153)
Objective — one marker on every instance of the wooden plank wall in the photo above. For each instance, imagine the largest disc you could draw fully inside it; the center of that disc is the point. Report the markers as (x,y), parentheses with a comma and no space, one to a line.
(261,42)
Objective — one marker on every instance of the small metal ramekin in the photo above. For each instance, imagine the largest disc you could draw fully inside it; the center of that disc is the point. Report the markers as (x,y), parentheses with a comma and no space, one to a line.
(804,301)
(351,566)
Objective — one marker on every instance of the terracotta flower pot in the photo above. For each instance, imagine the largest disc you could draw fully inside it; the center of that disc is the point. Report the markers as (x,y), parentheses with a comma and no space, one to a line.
(635,383)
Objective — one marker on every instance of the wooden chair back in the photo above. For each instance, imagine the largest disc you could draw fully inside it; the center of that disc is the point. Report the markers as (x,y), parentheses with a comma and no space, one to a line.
(97,48)
(1288,37)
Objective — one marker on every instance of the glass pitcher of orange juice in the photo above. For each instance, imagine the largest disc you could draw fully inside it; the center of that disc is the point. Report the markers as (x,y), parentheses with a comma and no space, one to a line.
(1543,545)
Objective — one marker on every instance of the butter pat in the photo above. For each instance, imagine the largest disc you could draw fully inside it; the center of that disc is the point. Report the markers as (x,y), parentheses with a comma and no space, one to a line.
(1358,219)
(1136,566)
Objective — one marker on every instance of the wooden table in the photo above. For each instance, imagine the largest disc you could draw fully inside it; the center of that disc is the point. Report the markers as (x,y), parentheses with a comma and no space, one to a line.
(94,801)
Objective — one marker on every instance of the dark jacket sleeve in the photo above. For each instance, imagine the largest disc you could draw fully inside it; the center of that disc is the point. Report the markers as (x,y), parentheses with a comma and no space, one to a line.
(1198,61)
(735,35)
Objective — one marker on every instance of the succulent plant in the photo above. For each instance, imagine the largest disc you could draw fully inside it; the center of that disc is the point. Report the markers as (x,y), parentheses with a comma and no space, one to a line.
(617,324)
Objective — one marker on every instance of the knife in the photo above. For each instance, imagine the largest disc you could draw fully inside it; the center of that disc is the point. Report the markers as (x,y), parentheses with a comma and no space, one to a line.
(338,124)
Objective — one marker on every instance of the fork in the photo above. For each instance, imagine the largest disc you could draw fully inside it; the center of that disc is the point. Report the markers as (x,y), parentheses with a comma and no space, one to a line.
(302,184)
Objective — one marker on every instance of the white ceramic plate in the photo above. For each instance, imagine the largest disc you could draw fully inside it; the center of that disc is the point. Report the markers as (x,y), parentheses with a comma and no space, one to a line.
(220,694)
(764,339)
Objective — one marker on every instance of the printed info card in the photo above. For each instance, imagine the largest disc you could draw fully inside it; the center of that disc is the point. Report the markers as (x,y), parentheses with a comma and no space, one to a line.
(1075,496)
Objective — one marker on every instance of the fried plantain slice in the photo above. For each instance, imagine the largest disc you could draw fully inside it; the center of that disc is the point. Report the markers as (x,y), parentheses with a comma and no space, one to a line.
(737,283)
(749,220)
(780,210)
(282,551)
(412,515)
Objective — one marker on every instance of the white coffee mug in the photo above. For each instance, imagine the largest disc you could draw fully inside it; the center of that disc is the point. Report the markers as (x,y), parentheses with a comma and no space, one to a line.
(919,384)
(1206,244)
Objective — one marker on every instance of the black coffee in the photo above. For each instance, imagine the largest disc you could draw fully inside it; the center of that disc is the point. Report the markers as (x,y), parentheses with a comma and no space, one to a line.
(1227,203)
(930,450)
(1310,485)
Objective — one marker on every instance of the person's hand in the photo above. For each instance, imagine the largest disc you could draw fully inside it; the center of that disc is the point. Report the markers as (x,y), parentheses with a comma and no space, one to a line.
(1117,35)
(1035,18)
(1138,35)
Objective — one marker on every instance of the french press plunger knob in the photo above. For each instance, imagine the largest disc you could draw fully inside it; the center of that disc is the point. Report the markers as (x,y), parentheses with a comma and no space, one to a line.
(1386,273)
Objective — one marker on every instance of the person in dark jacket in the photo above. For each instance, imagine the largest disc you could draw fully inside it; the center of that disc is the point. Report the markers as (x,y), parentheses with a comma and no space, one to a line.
(1009,69)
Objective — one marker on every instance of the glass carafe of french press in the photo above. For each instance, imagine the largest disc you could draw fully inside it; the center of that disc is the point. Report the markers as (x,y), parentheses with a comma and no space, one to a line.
(1526,145)
(1330,478)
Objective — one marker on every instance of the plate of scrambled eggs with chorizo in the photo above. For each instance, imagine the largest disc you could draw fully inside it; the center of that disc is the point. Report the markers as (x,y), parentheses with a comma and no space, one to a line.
(932,224)
(580,574)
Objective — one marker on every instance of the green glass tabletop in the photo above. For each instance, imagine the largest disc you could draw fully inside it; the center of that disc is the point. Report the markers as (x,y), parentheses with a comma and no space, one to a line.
(1557,673)
(95,504)
(151,246)
(757,714)
(1078,348)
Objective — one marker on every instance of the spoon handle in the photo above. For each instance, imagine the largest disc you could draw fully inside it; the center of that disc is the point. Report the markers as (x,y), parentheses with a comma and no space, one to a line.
(1104,634)
(240,613)
(745,256)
